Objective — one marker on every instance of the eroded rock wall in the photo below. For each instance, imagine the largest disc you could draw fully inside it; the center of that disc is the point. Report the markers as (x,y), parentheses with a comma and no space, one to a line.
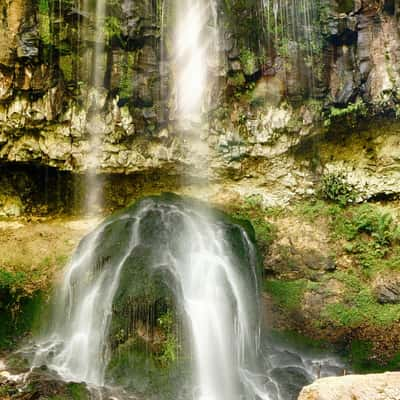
(268,133)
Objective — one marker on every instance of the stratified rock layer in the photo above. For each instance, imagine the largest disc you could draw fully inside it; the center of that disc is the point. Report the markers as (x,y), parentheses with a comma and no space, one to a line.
(266,132)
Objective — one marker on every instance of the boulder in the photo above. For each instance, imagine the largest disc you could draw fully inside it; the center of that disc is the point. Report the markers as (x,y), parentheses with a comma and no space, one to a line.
(354,387)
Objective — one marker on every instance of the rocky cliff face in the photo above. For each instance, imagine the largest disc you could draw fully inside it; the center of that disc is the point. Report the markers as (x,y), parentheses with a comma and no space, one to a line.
(291,107)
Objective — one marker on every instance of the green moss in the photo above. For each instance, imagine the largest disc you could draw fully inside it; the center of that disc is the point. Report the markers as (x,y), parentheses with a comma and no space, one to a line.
(237,80)
(78,391)
(169,351)
(363,360)
(134,367)
(252,210)
(360,306)
(288,294)
(19,318)
(348,115)
(249,61)
(345,6)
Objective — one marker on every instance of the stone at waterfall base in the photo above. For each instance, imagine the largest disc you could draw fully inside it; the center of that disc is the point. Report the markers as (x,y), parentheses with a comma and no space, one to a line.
(355,387)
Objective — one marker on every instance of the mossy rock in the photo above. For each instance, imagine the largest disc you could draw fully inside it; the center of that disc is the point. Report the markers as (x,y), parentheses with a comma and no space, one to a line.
(146,321)
(19,316)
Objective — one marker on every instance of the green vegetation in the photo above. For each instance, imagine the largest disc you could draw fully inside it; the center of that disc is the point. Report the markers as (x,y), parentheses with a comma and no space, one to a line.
(367,232)
(363,359)
(19,318)
(252,209)
(78,391)
(345,6)
(288,294)
(335,187)
(358,305)
(44,6)
(249,61)
(12,281)
(364,240)
(170,345)
(348,115)
(112,28)
(371,235)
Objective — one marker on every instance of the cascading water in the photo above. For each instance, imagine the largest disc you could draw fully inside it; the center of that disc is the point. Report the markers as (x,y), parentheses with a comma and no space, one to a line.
(195,44)
(76,348)
(218,302)
(213,268)
(212,291)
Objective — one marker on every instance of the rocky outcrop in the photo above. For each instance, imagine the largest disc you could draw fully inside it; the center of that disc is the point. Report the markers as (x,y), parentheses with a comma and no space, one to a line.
(270,133)
(354,387)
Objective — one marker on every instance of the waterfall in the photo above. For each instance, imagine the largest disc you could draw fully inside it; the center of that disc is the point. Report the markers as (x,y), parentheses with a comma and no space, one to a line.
(195,55)
(94,103)
(215,288)
(214,279)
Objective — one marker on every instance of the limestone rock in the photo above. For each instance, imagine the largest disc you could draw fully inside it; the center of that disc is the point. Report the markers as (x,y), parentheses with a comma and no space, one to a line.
(355,387)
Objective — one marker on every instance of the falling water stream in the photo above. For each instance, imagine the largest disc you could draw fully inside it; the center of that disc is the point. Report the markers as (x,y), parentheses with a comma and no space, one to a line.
(195,46)
(94,100)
